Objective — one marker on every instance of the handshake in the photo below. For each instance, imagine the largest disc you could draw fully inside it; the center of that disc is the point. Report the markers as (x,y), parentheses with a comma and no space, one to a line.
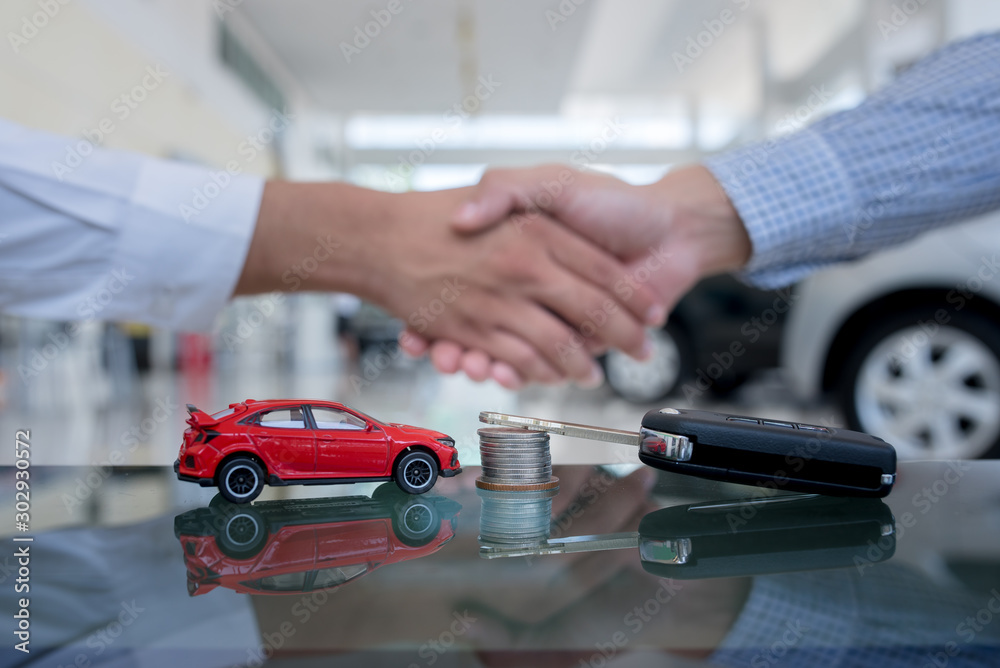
(522,278)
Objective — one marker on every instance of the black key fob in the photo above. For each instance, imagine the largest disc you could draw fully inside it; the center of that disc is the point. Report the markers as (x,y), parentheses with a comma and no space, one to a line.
(765,535)
(770,453)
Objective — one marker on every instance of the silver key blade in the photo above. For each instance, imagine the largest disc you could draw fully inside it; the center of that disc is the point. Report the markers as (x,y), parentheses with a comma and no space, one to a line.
(567,545)
(563,428)
(667,446)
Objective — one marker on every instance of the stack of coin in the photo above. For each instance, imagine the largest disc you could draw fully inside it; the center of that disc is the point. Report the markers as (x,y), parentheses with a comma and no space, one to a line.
(515,460)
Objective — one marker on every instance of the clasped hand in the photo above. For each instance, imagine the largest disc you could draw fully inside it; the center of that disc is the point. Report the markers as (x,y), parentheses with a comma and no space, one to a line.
(601,259)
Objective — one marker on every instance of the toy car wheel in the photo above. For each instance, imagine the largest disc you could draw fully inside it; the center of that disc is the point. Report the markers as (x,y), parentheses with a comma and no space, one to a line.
(416,473)
(416,522)
(931,390)
(243,534)
(652,379)
(241,480)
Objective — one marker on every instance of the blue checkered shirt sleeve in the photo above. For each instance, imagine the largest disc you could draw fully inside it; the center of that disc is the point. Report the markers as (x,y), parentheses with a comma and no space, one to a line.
(921,153)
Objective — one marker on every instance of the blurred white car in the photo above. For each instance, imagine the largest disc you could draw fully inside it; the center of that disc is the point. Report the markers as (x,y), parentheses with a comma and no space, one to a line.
(908,342)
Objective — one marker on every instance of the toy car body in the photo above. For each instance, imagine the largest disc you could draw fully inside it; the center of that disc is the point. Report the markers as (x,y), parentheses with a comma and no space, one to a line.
(305,442)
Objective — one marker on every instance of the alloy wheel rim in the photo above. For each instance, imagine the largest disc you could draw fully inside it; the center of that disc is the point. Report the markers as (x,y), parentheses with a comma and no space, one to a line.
(242,529)
(417,473)
(417,519)
(646,380)
(242,480)
(931,395)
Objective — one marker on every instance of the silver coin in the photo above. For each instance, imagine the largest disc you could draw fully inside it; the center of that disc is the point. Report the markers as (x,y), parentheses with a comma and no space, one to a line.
(516,475)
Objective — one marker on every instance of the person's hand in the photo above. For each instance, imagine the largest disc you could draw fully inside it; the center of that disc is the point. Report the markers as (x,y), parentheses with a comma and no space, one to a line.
(509,291)
(669,234)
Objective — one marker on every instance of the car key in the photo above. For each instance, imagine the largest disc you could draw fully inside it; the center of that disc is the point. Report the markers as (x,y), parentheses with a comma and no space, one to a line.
(753,451)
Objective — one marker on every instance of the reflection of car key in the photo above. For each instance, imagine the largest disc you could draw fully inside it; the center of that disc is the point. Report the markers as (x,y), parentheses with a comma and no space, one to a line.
(774,534)
(748,450)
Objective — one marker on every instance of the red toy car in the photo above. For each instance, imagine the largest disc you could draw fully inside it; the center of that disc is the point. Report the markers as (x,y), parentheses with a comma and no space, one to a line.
(288,441)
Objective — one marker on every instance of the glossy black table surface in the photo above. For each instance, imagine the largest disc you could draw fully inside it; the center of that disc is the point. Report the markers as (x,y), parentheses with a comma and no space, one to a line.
(137,569)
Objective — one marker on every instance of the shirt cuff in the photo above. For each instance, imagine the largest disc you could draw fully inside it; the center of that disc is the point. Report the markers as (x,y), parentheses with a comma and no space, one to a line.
(185,241)
(794,197)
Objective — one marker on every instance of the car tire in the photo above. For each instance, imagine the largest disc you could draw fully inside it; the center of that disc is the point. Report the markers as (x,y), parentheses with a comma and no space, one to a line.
(416,522)
(651,380)
(241,480)
(242,533)
(416,472)
(931,390)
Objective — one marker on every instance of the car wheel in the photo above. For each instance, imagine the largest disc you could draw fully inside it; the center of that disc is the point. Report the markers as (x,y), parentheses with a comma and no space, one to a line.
(241,480)
(653,379)
(416,472)
(932,391)
(243,534)
(416,522)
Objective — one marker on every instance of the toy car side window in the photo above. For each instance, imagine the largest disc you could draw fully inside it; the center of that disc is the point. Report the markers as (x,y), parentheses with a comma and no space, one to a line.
(284,418)
(331,418)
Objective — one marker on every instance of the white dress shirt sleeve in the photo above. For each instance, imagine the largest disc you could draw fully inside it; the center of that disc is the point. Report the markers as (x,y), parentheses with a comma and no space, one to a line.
(88,233)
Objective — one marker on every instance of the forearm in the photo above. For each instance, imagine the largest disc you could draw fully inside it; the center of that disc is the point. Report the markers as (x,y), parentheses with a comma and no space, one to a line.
(316,236)
(921,153)
(703,219)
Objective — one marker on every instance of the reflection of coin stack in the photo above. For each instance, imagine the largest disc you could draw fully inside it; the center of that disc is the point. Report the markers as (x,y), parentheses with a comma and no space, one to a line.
(515,460)
(515,519)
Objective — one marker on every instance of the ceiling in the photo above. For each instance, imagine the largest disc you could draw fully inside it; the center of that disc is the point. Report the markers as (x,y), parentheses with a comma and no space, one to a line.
(430,55)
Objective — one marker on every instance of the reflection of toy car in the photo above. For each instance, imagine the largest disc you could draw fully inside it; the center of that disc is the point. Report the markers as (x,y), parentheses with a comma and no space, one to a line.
(908,341)
(283,442)
(719,317)
(285,547)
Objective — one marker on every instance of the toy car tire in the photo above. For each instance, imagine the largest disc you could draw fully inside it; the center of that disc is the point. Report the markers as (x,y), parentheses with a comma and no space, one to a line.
(241,480)
(243,535)
(416,473)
